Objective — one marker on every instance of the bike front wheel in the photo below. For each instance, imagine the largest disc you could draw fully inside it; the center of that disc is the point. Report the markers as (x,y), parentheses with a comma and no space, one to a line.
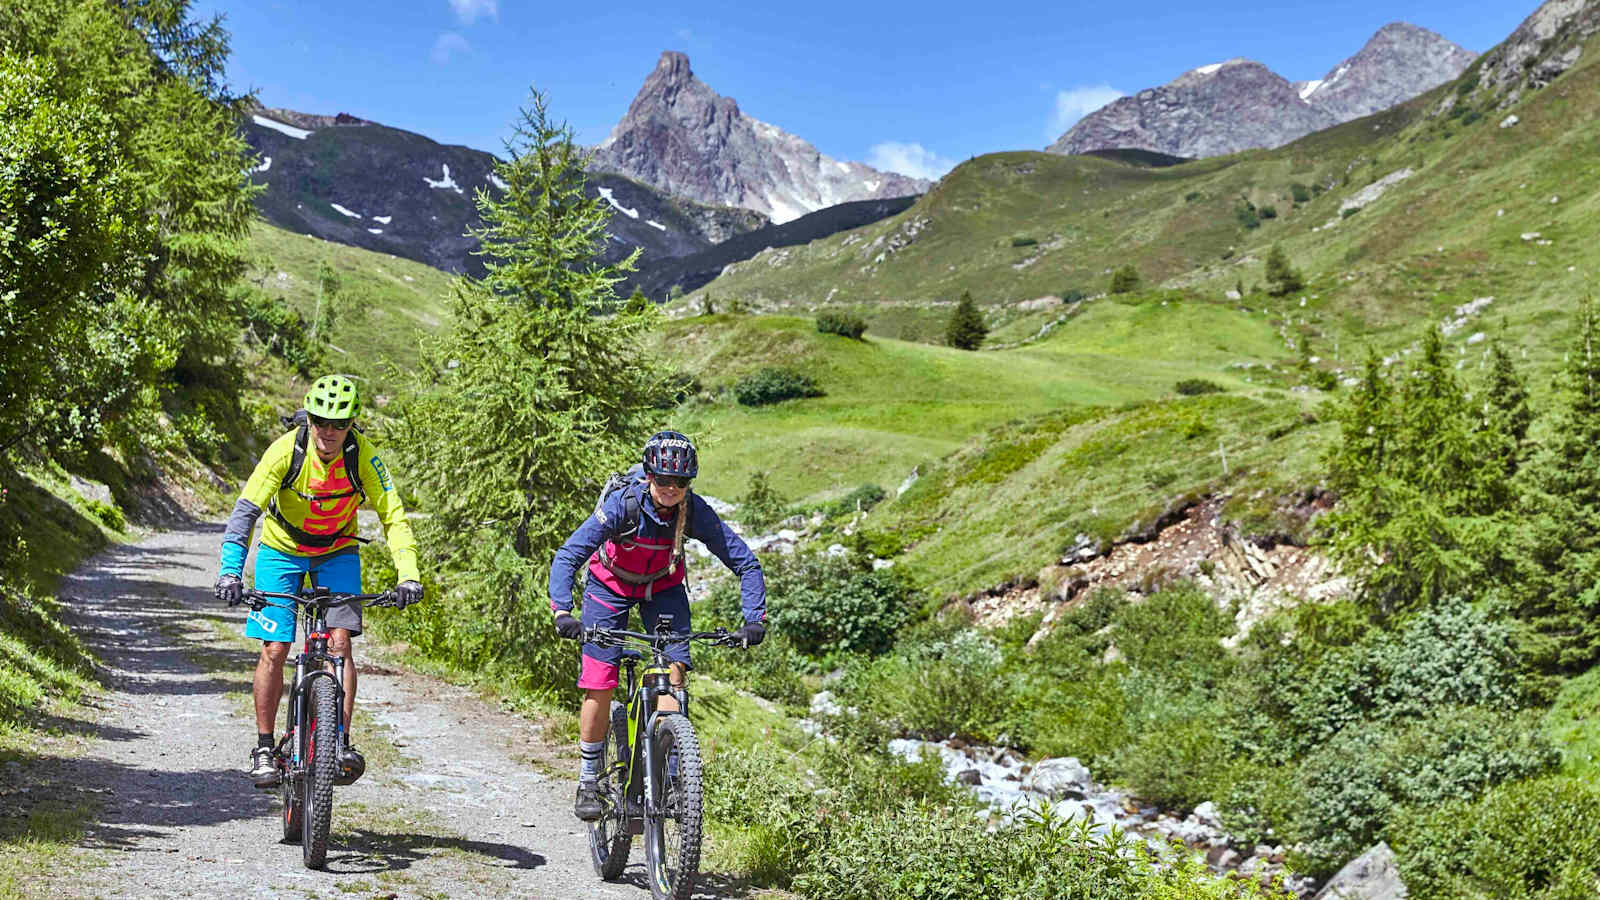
(321,765)
(609,840)
(673,829)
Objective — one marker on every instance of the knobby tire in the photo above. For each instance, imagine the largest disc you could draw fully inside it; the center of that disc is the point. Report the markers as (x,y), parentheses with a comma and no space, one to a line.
(672,841)
(609,840)
(322,765)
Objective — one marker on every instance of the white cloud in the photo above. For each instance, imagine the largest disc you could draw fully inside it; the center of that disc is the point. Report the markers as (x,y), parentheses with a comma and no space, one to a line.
(908,159)
(447,45)
(468,11)
(1079,102)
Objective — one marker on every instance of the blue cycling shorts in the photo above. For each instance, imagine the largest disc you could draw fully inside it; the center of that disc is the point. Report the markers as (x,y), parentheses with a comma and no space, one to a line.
(281,572)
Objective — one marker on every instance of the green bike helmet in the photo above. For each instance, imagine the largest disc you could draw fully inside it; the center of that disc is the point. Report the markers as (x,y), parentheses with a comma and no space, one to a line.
(333,397)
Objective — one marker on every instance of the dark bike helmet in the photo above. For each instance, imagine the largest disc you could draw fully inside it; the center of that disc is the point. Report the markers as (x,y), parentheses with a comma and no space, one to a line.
(671,453)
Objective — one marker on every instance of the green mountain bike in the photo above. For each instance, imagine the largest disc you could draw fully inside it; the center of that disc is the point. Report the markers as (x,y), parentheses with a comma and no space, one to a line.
(650,774)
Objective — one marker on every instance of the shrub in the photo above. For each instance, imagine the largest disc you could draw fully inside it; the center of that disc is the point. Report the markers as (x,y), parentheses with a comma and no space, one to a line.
(846,324)
(1300,192)
(1190,387)
(677,387)
(1246,214)
(864,498)
(1125,279)
(774,385)
(1023,241)
(1268,212)
(777,671)
(1282,278)
(1349,211)
(1538,838)
(1191,197)
(1072,296)
(762,506)
(930,688)
(831,604)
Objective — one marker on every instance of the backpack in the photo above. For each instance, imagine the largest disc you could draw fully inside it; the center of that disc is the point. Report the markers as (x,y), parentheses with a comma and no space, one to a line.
(622,481)
(297,461)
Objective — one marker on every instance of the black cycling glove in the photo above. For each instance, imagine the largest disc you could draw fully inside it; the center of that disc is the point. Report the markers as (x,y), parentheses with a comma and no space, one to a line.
(751,634)
(229,589)
(568,627)
(407,593)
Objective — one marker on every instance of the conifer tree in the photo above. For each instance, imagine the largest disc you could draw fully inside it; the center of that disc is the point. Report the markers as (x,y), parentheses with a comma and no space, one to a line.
(1424,505)
(1124,280)
(1560,588)
(1282,278)
(1506,413)
(523,405)
(966,329)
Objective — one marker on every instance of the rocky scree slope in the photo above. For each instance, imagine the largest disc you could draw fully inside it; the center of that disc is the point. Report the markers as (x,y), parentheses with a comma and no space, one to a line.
(682,137)
(1240,104)
(355,182)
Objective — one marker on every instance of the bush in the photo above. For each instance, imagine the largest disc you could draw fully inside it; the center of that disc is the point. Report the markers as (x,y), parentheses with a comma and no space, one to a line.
(863,498)
(1191,197)
(1073,296)
(931,688)
(1190,387)
(846,324)
(1125,279)
(1246,214)
(762,506)
(1023,241)
(1538,838)
(774,385)
(831,604)
(1349,211)
(1300,192)
(1268,212)
(678,387)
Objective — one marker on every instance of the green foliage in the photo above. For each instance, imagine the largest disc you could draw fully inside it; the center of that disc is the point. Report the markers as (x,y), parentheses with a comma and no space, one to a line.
(637,304)
(1282,277)
(1300,192)
(1558,585)
(1190,387)
(1352,788)
(40,658)
(762,506)
(1533,840)
(846,324)
(1073,296)
(1023,241)
(948,681)
(1268,212)
(1246,213)
(1124,280)
(1424,506)
(829,605)
(966,328)
(279,330)
(1348,211)
(861,499)
(775,385)
(123,184)
(514,411)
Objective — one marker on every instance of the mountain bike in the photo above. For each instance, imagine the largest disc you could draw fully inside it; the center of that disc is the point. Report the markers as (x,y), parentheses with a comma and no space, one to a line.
(650,774)
(308,754)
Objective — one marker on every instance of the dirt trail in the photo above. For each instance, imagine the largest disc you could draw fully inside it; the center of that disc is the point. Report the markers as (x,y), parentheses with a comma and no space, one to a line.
(453,803)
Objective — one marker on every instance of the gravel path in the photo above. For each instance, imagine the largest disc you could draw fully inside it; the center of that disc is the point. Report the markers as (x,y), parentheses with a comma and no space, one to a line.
(458,799)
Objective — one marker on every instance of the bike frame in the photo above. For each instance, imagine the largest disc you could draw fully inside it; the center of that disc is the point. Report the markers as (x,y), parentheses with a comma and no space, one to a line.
(644,688)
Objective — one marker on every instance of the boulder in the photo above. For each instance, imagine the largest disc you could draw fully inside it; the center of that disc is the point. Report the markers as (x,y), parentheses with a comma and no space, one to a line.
(1056,778)
(1370,876)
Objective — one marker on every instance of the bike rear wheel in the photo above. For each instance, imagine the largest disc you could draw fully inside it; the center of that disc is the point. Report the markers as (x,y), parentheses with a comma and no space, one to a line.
(609,840)
(672,833)
(321,766)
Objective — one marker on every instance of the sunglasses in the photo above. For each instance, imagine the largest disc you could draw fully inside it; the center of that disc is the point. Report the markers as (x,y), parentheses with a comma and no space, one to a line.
(337,424)
(672,481)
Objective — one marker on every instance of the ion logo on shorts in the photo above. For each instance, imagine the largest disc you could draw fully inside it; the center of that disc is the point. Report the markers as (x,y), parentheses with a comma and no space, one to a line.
(265,624)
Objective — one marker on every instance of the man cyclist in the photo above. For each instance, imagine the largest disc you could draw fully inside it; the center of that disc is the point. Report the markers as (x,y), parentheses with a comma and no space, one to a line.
(634,548)
(311,500)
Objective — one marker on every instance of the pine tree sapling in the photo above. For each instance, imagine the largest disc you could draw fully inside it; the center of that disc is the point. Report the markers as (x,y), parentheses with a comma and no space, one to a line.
(1125,279)
(1282,278)
(966,329)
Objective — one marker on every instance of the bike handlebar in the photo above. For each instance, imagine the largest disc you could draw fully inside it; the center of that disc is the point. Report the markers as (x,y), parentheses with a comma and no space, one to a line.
(617,637)
(259,599)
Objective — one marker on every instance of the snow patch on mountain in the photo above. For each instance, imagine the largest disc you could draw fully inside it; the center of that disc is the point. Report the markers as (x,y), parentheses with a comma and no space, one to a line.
(290,130)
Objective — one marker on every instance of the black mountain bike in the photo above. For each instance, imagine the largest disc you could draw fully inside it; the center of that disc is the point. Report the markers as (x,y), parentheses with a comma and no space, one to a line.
(308,754)
(650,774)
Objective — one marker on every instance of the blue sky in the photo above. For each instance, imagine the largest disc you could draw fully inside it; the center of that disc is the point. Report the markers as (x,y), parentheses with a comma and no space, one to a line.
(914,87)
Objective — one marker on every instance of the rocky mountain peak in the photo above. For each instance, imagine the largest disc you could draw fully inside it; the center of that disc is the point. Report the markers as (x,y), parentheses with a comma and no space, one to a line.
(684,138)
(1241,104)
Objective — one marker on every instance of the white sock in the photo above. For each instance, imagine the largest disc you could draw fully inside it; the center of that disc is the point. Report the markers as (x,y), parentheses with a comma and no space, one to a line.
(592,752)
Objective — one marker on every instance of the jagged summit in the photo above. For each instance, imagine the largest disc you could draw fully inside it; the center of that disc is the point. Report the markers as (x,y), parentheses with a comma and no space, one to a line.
(682,137)
(1241,104)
